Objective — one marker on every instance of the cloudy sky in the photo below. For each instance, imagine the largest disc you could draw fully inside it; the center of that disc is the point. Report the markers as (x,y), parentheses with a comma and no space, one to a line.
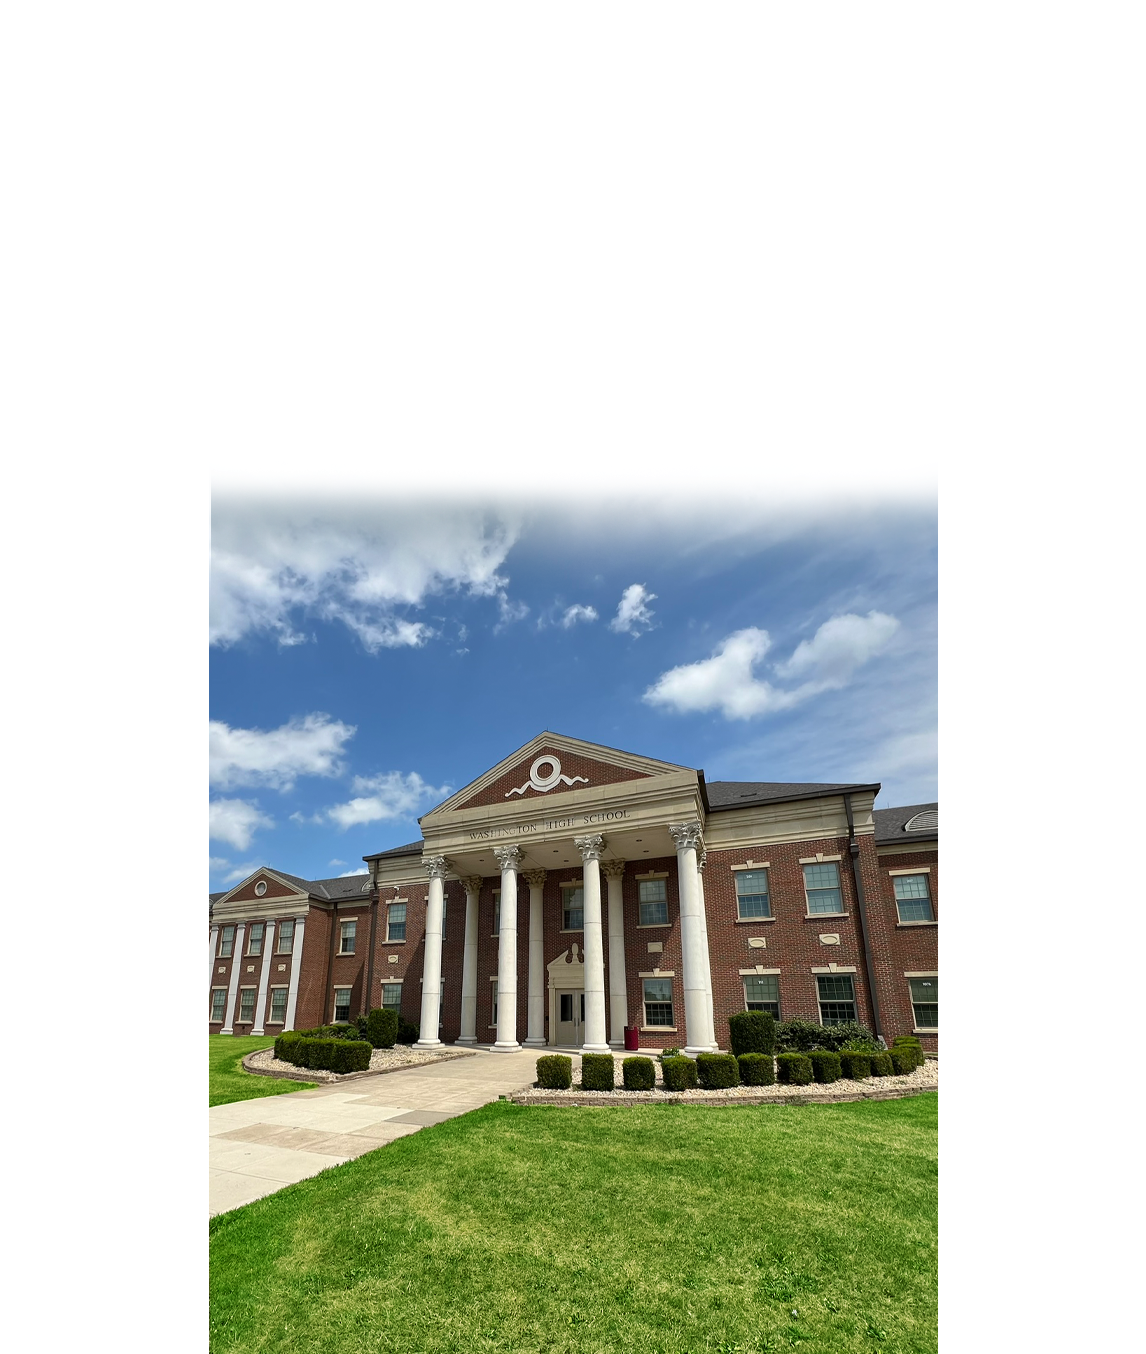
(370,656)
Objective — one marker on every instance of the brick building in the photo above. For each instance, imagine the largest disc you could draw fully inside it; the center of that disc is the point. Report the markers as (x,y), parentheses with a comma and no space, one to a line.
(574,890)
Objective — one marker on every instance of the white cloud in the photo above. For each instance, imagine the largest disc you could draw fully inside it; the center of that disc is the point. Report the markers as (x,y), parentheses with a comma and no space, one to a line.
(236,821)
(633,611)
(576,613)
(333,863)
(508,612)
(310,746)
(358,564)
(391,795)
(727,682)
(351,874)
(241,872)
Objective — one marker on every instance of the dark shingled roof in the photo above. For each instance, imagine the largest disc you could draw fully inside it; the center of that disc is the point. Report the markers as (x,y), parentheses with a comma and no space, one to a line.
(889,825)
(410,849)
(738,794)
(328,889)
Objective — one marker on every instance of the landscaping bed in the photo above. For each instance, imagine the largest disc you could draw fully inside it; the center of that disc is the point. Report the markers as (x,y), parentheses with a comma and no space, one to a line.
(264,1063)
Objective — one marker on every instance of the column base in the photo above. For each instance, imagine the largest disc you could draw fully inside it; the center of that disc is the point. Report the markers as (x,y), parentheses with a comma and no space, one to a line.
(258,1033)
(691,1050)
(595,1048)
(618,1044)
(429,1043)
(500,1047)
(466,1039)
(533,1043)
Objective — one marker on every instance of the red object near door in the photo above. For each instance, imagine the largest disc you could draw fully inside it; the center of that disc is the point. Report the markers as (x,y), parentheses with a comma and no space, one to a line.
(632,1038)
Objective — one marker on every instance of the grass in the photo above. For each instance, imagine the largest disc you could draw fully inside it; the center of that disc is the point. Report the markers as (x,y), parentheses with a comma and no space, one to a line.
(228,1081)
(658,1230)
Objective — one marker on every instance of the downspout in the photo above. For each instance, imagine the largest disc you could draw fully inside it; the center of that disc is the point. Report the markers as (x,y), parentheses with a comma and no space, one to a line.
(854,850)
(329,1001)
(373,931)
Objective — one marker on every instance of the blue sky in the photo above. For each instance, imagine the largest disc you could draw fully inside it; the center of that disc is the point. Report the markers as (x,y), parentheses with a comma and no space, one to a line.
(372,655)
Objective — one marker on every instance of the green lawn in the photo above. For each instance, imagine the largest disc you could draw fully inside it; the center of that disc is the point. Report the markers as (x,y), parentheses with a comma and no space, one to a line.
(652,1229)
(229,1081)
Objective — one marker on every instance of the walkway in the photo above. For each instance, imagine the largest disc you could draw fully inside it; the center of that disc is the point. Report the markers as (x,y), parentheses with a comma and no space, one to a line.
(258,1146)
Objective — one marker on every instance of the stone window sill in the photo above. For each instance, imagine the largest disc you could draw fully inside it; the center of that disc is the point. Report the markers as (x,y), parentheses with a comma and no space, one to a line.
(900,924)
(823,916)
(926,1029)
(752,921)
(653,925)
(393,942)
(570,930)
(658,1029)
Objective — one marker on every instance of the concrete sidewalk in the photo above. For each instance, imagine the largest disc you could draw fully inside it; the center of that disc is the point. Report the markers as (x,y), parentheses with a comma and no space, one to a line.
(258,1146)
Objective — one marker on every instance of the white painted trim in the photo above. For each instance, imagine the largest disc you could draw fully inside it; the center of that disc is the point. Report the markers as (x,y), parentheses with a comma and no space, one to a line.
(233,989)
(932,973)
(759,972)
(836,968)
(747,921)
(921,869)
(659,973)
(753,865)
(818,859)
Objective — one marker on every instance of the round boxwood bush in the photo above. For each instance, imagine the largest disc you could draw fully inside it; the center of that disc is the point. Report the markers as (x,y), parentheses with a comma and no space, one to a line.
(751,1032)
(407,1031)
(381,1028)
(793,1069)
(717,1071)
(678,1074)
(905,1060)
(596,1071)
(757,1069)
(825,1065)
(855,1066)
(639,1074)
(881,1064)
(555,1071)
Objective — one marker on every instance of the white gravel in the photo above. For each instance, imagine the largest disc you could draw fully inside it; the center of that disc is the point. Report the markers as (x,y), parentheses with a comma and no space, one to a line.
(381,1060)
(923,1078)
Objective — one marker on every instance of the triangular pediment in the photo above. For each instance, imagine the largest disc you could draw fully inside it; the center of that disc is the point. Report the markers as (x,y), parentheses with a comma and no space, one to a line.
(276,886)
(549,766)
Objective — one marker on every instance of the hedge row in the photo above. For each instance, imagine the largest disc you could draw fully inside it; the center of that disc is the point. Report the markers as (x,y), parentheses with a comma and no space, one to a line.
(329,1054)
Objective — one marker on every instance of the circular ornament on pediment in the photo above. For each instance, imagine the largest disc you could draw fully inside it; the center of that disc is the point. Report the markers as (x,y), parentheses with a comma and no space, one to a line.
(260,888)
(551,776)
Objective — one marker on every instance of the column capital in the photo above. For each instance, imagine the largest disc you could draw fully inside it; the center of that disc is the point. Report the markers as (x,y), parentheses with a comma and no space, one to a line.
(535,878)
(472,883)
(590,847)
(701,857)
(613,869)
(437,867)
(508,857)
(686,835)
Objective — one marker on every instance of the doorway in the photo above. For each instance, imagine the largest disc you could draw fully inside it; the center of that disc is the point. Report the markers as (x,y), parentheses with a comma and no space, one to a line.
(570,1027)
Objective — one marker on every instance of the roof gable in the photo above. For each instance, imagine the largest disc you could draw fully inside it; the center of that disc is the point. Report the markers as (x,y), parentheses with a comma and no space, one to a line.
(277,885)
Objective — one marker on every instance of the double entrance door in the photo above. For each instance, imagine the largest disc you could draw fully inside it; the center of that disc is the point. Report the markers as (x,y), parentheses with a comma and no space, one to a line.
(570,1025)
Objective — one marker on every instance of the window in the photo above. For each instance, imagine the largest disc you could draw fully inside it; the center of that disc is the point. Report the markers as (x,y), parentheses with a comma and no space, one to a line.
(218,1003)
(652,894)
(493,994)
(286,937)
(255,939)
(752,894)
(392,996)
(341,1004)
(260,888)
(396,922)
(658,1002)
(349,930)
(925,1002)
(762,993)
(837,998)
(228,942)
(246,1005)
(573,907)
(822,885)
(278,1006)
(913,897)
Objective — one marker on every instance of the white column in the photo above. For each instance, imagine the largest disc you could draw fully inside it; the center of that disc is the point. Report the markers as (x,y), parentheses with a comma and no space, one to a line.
(236,969)
(700,864)
(264,979)
(535,1023)
(437,868)
(618,986)
(508,857)
(468,1035)
(590,849)
(687,837)
(211,968)
(295,967)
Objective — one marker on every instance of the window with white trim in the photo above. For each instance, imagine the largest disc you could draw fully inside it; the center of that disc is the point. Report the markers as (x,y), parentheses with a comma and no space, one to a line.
(392,997)
(227,942)
(278,1006)
(341,1005)
(285,943)
(762,993)
(246,1005)
(349,932)
(925,1002)
(658,1002)
(396,922)
(255,939)
(218,1004)
(913,897)
(822,886)
(752,898)
(652,901)
(572,907)
(837,996)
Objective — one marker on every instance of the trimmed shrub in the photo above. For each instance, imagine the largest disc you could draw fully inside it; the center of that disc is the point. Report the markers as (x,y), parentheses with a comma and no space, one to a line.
(906,1039)
(757,1069)
(678,1074)
(639,1074)
(283,1043)
(905,1058)
(881,1064)
(331,1055)
(350,1055)
(596,1071)
(825,1065)
(381,1028)
(751,1032)
(717,1071)
(855,1066)
(799,1036)
(555,1072)
(851,1034)
(793,1069)
(407,1031)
